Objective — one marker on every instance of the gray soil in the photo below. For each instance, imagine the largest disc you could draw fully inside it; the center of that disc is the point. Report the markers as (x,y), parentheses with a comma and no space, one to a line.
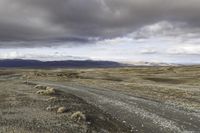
(23,111)
(122,100)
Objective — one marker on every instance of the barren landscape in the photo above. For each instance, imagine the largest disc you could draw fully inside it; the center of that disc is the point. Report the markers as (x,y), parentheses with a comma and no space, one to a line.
(111,100)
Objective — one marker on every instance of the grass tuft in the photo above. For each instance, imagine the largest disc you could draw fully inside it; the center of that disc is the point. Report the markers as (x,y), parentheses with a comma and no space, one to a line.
(78,116)
(47,91)
(62,110)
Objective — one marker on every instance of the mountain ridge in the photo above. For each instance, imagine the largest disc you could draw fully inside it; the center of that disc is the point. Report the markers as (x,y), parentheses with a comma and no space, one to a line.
(29,63)
(20,63)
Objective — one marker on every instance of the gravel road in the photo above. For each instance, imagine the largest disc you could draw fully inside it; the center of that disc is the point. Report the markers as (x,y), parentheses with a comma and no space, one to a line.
(140,114)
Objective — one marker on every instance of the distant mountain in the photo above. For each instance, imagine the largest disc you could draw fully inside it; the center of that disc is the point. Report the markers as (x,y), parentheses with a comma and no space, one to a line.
(141,63)
(19,63)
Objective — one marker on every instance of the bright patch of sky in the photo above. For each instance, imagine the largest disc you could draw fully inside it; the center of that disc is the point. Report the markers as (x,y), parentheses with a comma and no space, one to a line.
(159,42)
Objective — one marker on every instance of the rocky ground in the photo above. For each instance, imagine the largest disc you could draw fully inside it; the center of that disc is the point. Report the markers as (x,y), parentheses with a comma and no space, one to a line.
(24,111)
(115,100)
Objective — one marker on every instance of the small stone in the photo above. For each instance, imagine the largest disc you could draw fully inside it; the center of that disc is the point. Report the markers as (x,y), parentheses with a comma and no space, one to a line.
(89,123)
(124,122)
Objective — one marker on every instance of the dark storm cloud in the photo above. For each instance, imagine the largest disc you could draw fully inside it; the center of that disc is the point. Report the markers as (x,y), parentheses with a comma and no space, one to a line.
(25,20)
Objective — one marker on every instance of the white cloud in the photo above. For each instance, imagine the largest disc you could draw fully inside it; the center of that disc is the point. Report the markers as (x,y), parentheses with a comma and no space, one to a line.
(148,51)
(10,55)
(38,54)
(187,49)
(162,28)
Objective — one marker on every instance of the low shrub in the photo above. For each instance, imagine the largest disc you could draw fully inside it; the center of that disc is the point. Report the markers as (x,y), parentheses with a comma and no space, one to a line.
(62,110)
(78,116)
(47,91)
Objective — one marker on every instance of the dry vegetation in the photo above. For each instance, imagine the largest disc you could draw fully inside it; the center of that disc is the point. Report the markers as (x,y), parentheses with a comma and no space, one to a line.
(78,116)
(178,85)
(33,108)
(62,110)
(48,90)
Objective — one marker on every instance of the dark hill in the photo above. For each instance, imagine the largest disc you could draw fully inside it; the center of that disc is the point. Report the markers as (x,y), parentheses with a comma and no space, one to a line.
(17,63)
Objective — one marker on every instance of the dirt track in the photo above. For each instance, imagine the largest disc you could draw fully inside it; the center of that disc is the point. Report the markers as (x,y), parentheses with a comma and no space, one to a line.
(24,111)
(149,100)
(140,114)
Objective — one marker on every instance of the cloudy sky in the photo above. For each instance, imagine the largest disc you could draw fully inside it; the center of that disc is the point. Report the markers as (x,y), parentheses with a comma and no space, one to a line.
(118,30)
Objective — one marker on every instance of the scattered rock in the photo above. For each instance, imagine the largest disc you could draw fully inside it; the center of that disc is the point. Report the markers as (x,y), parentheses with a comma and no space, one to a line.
(78,116)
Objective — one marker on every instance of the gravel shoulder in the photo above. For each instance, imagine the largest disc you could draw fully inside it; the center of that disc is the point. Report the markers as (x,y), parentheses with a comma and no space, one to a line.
(140,114)
(24,111)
